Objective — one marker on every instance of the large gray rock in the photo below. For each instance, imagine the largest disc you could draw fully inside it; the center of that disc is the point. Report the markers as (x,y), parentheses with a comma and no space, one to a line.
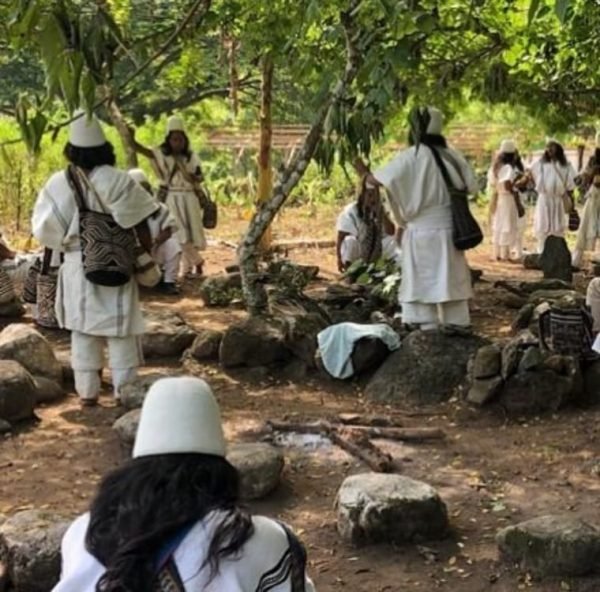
(488,362)
(27,346)
(167,335)
(483,390)
(545,284)
(5,427)
(126,426)
(206,345)
(260,467)
(133,392)
(523,317)
(555,260)
(221,289)
(531,393)
(17,392)
(383,508)
(532,359)
(561,545)
(47,391)
(425,370)
(256,341)
(30,548)
(559,297)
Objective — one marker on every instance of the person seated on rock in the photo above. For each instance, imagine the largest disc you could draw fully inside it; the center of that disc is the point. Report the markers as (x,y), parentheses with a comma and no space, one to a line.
(166,249)
(364,231)
(15,264)
(171,519)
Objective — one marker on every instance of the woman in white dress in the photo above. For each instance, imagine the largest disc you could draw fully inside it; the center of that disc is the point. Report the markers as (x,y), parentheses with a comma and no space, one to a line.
(554,179)
(180,173)
(506,209)
(170,520)
(589,230)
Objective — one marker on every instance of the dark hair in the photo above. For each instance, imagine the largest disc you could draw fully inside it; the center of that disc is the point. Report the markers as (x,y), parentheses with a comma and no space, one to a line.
(430,140)
(140,505)
(90,158)
(168,151)
(560,154)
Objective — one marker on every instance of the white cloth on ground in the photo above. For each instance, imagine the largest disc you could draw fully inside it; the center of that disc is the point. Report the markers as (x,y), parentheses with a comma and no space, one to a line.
(433,270)
(81,305)
(552,181)
(592,299)
(262,564)
(336,344)
(431,316)
(182,202)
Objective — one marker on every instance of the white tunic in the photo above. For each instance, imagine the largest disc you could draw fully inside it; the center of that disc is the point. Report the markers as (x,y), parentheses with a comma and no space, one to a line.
(552,181)
(589,230)
(433,270)
(506,218)
(182,202)
(261,564)
(80,305)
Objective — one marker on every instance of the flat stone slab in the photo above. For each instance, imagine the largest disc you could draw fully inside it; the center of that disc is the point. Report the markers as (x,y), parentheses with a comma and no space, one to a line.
(260,466)
(30,549)
(382,508)
(553,545)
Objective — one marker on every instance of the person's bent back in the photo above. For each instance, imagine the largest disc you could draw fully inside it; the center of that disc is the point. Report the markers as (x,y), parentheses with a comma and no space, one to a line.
(170,519)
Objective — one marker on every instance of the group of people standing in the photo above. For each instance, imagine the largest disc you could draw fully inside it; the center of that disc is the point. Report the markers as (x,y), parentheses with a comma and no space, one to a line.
(555,182)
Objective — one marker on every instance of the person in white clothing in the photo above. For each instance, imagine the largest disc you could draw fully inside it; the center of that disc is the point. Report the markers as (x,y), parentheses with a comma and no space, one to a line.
(589,230)
(171,519)
(554,179)
(94,313)
(364,231)
(506,209)
(166,250)
(181,177)
(436,281)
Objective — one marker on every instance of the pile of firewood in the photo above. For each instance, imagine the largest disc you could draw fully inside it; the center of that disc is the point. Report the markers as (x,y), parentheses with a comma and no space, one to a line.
(353,433)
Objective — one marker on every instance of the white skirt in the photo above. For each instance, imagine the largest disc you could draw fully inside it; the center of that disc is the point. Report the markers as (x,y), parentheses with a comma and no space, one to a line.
(185,208)
(549,217)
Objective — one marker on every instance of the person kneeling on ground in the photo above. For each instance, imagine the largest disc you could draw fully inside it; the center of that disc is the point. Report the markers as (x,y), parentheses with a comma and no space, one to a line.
(166,250)
(170,519)
(364,231)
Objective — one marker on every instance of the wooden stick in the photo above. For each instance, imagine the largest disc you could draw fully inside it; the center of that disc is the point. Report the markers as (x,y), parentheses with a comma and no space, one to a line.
(405,434)
(361,447)
(369,420)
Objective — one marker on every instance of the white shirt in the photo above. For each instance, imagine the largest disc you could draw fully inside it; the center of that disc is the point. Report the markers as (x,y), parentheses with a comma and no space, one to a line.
(263,563)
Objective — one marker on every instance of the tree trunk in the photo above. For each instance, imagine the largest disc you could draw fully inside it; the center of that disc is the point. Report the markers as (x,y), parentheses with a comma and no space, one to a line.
(265,172)
(252,282)
(123,129)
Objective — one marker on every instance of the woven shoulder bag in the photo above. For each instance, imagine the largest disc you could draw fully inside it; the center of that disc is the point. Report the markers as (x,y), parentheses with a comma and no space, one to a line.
(108,251)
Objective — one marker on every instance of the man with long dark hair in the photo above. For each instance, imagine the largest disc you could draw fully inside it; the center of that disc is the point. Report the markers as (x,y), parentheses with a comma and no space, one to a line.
(436,282)
(554,178)
(171,519)
(180,174)
(94,313)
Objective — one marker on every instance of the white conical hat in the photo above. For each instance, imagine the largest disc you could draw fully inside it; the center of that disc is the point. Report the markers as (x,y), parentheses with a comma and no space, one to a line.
(180,415)
(85,132)
(175,124)
(508,147)
(436,121)
(138,175)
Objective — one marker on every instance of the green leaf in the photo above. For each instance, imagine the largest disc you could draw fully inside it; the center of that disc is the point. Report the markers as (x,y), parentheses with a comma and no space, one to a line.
(533,10)
(88,91)
(562,8)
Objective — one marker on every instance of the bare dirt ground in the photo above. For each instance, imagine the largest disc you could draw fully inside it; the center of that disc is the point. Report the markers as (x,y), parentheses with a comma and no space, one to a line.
(490,471)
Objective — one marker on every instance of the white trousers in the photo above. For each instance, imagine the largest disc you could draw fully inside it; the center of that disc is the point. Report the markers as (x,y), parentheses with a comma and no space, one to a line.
(190,257)
(87,361)
(350,249)
(168,257)
(431,316)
